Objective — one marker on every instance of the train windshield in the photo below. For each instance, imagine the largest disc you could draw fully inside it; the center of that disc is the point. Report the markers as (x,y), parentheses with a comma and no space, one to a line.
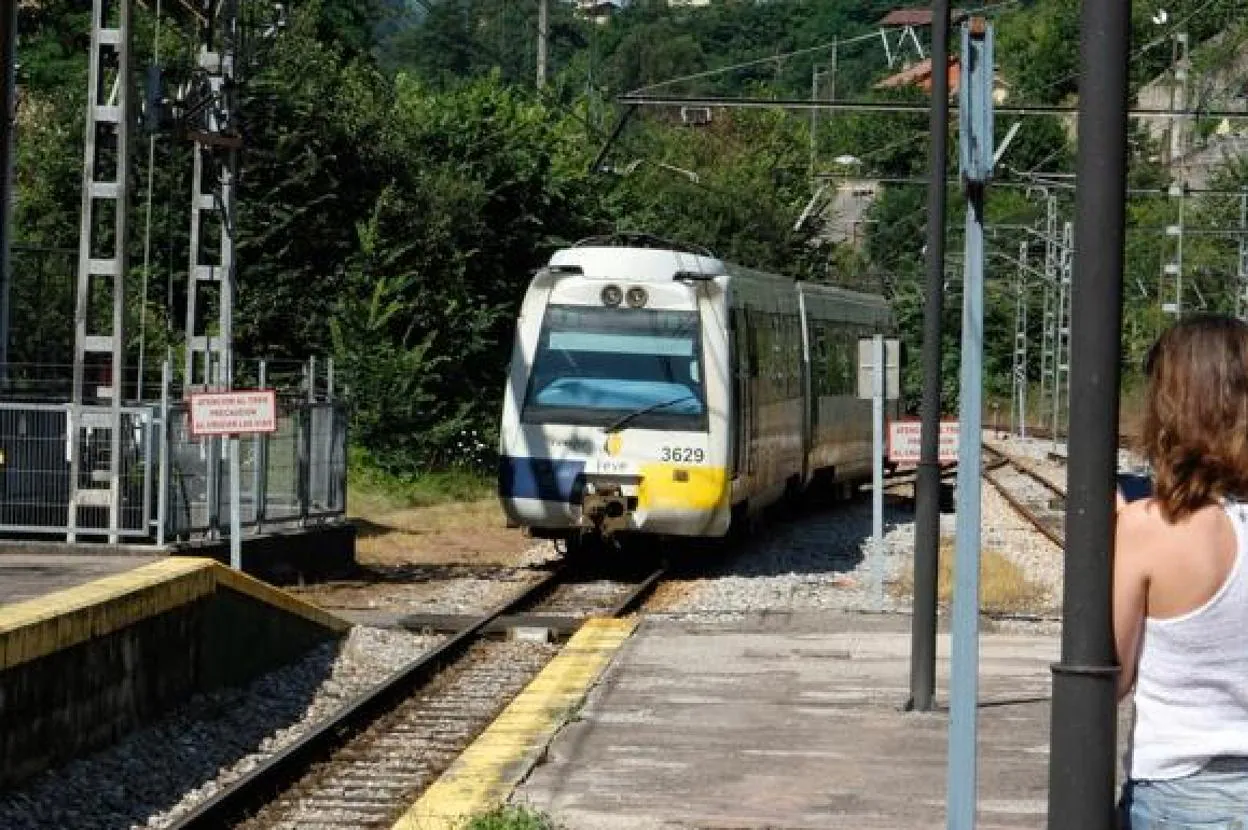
(616,367)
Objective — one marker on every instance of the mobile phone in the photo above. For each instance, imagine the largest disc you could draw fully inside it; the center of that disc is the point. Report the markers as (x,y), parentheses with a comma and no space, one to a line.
(1134,487)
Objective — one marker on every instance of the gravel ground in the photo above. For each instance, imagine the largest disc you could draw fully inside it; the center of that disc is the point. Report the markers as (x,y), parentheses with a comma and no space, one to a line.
(816,561)
(1038,449)
(821,559)
(162,771)
(454,595)
(432,587)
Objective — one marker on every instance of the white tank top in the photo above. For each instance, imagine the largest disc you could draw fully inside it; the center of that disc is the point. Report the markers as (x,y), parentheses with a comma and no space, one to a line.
(1191,688)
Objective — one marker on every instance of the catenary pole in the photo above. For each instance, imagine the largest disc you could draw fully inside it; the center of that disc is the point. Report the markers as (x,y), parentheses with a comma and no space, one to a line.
(975,150)
(927,497)
(543,37)
(8,57)
(1083,736)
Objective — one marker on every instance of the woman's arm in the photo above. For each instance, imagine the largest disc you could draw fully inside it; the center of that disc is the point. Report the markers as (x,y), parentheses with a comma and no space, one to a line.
(1130,590)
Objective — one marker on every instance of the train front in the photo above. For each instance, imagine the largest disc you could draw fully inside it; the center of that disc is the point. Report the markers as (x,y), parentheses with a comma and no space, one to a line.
(614,421)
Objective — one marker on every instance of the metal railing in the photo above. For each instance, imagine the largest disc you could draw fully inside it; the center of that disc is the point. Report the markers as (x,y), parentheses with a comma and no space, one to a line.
(293,477)
(173,487)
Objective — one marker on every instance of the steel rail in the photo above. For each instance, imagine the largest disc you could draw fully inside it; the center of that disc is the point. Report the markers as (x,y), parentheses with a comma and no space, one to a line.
(270,778)
(1029,471)
(267,781)
(1023,509)
(639,594)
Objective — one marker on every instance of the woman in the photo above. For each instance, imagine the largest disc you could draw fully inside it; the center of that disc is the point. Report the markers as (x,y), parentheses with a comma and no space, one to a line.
(1181,587)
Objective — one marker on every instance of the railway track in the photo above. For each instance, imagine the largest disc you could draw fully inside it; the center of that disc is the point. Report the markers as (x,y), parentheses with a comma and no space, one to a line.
(1038,499)
(365,765)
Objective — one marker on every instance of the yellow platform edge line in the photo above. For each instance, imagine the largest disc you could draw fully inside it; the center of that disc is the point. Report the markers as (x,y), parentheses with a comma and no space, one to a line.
(63,619)
(484,776)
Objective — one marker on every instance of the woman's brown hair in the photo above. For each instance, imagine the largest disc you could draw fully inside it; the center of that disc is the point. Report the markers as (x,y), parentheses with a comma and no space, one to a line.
(1196,423)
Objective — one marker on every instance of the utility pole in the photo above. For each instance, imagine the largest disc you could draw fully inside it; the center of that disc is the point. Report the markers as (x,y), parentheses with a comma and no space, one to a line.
(815,76)
(976,153)
(1177,132)
(1174,267)
(814,124)
(1018,400)
(214,180)
(1177,139)
(1061,331)
(209,354)
(543,38)
(8,116)
(1082,763)
(99,339)
(927,484)
(1241,272)
(1048,320)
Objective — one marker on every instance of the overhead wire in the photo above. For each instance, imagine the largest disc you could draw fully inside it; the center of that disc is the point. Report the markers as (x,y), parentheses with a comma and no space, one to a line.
(709,73)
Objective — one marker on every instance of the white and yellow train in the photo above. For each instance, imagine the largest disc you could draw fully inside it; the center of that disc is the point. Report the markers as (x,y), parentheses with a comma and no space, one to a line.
(662,391)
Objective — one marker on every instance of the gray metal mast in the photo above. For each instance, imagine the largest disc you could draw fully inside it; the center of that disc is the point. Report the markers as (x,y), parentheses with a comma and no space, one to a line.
(543,40)
(209,352)
(102,272)
(1048,321)
(1061,355)
(1018,400)
(8,118)
(1241,273)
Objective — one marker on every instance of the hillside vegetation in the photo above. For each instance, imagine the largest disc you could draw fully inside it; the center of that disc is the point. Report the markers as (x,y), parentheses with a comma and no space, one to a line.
(403,177)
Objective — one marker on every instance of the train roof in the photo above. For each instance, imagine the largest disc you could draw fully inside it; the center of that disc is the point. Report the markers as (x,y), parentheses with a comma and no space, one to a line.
(835,292)
(636,264)
(658,264)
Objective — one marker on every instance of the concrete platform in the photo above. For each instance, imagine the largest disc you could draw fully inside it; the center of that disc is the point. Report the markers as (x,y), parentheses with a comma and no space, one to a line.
(792,722)
(26,575)
(281,556)
(80,667)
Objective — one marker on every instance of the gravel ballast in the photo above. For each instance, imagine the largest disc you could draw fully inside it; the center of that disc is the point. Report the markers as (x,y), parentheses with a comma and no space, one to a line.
(162,771)
(821,558)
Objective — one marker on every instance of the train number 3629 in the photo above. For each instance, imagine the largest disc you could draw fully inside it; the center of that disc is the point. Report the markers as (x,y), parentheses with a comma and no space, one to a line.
(683,455)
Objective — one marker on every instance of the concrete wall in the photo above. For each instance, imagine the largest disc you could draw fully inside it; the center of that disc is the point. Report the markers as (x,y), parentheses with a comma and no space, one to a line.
(81,668)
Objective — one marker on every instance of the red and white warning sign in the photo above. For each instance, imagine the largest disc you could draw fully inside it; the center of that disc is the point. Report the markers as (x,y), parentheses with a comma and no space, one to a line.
(233,413)
(904,441)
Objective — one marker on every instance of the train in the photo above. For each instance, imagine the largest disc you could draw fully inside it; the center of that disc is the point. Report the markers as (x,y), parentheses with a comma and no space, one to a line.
(655,390)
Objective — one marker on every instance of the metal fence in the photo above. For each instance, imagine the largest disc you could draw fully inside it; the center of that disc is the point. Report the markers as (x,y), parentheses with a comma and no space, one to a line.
(172,486)
(295,476)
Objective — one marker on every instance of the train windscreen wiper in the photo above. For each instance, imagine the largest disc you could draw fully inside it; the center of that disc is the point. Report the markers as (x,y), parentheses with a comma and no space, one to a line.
(646,409)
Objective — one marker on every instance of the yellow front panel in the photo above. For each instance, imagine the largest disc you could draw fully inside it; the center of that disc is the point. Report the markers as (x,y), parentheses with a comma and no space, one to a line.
(704,488)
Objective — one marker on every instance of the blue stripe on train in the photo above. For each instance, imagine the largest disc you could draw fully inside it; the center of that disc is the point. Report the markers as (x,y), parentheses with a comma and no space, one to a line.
(547,479)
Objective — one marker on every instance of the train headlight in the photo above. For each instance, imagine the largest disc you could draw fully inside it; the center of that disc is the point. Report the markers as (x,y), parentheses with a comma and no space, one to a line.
(612,296)
(636,297)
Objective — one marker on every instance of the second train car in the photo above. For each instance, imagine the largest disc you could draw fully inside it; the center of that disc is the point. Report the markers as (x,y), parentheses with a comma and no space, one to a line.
(657,390)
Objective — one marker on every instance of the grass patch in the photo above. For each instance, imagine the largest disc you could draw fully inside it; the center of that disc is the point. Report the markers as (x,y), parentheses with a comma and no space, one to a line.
(511,818)
(444,517)
(374,491)
(1003,586)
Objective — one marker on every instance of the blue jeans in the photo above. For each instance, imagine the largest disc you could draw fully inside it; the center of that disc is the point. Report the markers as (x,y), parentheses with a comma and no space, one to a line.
(1216,798)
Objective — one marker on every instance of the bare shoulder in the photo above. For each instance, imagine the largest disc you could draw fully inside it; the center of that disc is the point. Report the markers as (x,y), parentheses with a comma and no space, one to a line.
(1141,529)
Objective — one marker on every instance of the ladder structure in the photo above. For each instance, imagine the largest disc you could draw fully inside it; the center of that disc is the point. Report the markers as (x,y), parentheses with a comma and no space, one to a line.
(1061,342)
(95,418)
(1048,321)
(211,277)
(1241,271)
(1018,398)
